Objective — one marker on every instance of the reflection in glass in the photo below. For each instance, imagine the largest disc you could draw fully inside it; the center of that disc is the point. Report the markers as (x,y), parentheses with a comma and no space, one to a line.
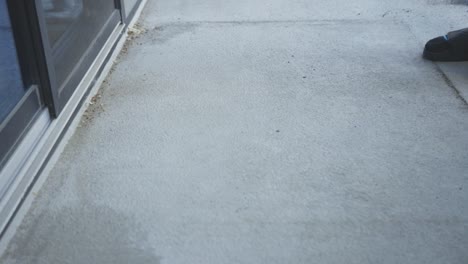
(72,26)
(60,15)
(11,84)
(129,5)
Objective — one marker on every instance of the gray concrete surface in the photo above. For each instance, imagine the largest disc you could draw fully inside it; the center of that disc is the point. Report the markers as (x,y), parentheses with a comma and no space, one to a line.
(266,131)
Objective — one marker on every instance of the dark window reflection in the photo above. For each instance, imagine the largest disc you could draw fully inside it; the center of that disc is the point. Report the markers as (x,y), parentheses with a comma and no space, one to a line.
(72,26)
(60,15)
(11,84)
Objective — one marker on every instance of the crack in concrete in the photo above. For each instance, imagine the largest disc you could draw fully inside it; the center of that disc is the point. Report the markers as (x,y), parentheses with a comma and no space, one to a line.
(450,84)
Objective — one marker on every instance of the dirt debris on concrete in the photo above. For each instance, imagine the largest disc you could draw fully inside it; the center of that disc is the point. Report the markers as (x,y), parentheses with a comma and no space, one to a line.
(133,34)
(95,107)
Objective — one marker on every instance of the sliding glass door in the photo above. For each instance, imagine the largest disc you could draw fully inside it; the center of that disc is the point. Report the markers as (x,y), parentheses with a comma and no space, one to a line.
(74,31)
(51,52)
(47,47)
(21,99)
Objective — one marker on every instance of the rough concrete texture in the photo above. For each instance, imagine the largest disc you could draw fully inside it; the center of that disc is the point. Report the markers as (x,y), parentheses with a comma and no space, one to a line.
(266,131)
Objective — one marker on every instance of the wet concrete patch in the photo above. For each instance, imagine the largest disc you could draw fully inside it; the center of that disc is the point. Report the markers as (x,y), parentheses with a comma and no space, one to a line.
(448,2)
(81,234)
(164,33)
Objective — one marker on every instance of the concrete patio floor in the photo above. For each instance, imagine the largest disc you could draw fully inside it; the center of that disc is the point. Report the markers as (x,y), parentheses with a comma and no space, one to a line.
(266,131)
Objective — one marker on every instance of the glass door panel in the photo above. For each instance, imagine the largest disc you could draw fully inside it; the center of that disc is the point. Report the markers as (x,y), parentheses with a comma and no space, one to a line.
(129,6)
(11,85)
(20,99)
(75,32)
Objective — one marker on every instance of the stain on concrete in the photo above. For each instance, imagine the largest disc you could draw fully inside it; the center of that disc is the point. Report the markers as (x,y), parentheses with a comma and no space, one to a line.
(80,234)
(164,33)
(448,2)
